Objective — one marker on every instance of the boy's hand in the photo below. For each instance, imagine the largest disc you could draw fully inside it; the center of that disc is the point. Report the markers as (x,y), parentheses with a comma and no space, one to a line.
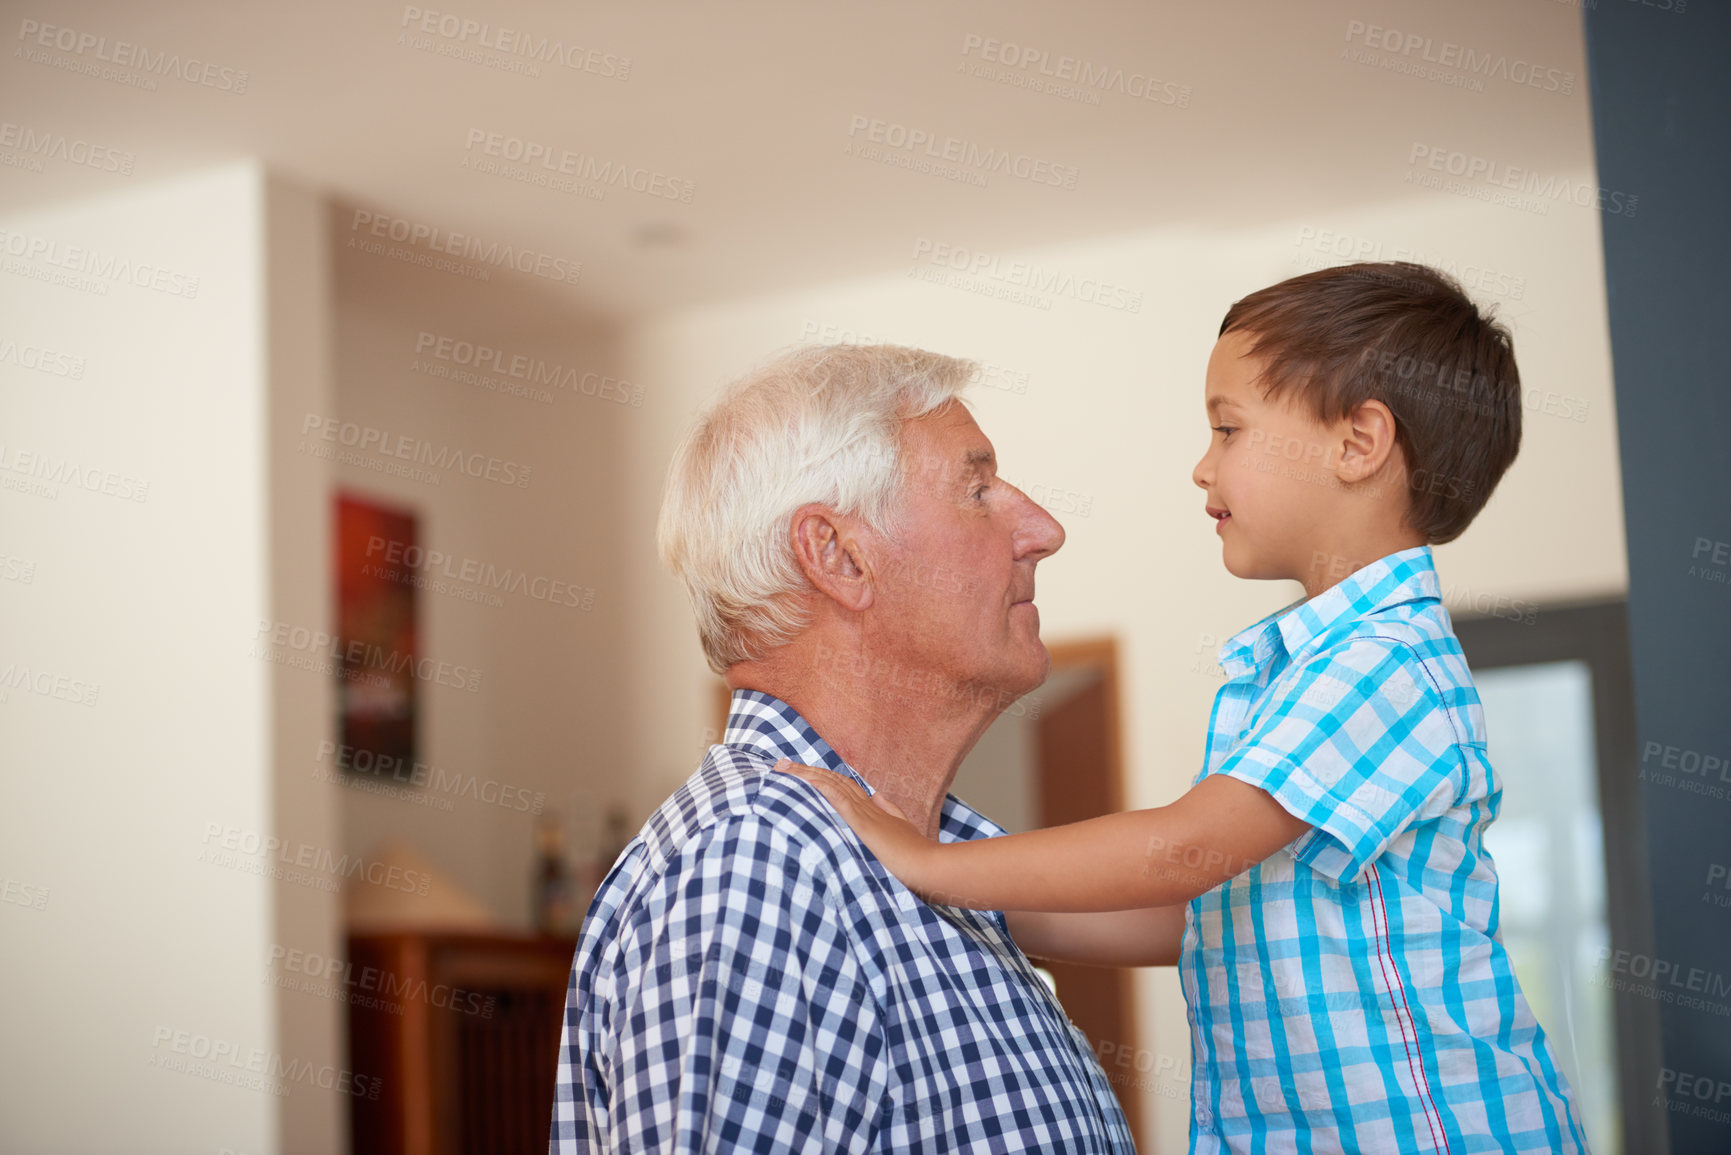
(879,823)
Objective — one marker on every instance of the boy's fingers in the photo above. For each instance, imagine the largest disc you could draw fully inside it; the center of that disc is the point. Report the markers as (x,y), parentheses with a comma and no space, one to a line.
(887,806)
(841,790)
(832,785)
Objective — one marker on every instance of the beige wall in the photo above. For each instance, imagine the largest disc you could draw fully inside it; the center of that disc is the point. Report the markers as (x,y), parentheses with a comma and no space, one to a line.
(1097,410)
(157,723)
(1111,423)
(542,730)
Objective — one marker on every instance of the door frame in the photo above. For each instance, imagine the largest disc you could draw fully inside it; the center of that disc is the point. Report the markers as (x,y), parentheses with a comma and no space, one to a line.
(1597,634)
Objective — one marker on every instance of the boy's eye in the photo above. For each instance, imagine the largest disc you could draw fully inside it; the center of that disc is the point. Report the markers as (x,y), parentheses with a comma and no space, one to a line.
(1228,430)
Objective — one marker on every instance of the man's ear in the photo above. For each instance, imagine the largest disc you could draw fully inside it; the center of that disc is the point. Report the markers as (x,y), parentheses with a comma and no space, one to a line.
(830,554)
(1368,441)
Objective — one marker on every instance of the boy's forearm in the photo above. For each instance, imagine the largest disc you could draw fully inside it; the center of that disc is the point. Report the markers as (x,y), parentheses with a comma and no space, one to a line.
(1160,857)
(1119,938)
(1092,865)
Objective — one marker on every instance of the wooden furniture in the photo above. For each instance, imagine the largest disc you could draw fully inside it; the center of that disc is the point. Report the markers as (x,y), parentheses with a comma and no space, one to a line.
(463,1032)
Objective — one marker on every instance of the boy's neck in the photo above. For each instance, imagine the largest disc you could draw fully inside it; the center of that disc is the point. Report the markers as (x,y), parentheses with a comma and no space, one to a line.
(1333,561)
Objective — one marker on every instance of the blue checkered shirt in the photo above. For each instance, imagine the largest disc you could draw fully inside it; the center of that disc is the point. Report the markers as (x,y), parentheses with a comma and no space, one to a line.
(1351,993)
(749,978)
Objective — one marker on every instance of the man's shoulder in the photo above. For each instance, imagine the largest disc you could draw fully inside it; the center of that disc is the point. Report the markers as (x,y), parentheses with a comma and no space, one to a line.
(736,793)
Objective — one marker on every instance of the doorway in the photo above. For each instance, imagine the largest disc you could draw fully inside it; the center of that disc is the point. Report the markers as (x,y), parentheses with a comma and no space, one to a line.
(1559,724)
(1056,756)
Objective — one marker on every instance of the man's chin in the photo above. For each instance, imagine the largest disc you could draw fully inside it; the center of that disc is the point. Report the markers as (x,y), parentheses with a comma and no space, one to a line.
(1026,676)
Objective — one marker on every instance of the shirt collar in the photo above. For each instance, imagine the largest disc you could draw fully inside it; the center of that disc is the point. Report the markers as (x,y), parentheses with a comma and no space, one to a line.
(764,723)
(1408,575)
(769,727)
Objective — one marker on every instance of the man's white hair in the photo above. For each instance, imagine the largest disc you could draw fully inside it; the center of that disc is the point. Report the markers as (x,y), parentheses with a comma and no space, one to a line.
(818,424)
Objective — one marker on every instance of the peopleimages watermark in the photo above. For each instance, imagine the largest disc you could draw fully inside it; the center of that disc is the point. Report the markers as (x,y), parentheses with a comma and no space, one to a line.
(1058,499)
(87,269)
(358,656)
(251,1068)
(1675,7)
(36,145)
(892,680)
(363,439)
(562,170)
(1142,1070)
(475,41)
(990,376)
(1416,54)
(904,146)
(26,355)
(1482,178)
(1461,389)
(47,684)
(423,776)
(1703,1096)
(1694,771)
(398,561)
(302,862)
(370,987)
(121,61)
(40,474)
(445,243)
(1665,981)
(1206,656)
(17,569)
(1717,877)
(1320,245)
(1710,561)
(16,892)
(531,374)
(1066,77)
(1020,282)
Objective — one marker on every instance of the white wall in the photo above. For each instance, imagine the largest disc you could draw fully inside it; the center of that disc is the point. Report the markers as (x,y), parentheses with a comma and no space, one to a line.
(542,730)
(144,945)
(1111,423)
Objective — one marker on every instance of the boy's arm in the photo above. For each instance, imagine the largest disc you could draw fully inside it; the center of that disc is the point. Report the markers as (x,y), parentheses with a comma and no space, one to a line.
(1119,938)
(1161,857)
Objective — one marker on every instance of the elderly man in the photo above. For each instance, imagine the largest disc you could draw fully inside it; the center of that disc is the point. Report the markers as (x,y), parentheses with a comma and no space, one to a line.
(749,978)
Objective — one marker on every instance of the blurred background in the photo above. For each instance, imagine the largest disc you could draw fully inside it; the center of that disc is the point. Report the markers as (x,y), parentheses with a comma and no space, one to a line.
(343,348)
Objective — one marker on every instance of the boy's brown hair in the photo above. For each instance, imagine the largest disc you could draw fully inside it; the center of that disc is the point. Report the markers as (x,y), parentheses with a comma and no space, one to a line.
(1407,336)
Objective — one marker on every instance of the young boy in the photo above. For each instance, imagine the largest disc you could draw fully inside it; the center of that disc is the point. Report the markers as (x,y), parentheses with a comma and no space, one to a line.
(1323,885)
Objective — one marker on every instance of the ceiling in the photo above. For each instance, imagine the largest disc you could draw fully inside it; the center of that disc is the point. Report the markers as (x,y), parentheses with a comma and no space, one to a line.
(750,107)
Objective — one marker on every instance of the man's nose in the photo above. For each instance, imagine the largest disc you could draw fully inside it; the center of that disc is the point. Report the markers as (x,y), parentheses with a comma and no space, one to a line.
(1039,535)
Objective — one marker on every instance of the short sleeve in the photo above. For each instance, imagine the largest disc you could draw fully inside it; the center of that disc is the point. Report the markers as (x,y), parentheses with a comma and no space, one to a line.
(1357,742)
(745,1021)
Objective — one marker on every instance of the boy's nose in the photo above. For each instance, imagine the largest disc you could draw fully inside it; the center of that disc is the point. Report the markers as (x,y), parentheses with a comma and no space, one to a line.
(1202,475)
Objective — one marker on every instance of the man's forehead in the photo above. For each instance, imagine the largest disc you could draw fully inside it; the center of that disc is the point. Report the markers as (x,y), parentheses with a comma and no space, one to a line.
(949,439)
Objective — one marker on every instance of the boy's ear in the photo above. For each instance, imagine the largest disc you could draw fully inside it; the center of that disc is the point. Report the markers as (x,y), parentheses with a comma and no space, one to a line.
(830,554)
(1368,441)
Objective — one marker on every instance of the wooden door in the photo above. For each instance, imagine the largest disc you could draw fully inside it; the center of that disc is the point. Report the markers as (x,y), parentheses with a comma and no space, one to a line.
(1079,776)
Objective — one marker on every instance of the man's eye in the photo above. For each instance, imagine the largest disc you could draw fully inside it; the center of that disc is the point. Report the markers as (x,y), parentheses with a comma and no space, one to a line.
(979,494)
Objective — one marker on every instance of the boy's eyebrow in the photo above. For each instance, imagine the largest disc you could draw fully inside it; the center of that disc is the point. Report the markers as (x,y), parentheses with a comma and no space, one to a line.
(1219,400)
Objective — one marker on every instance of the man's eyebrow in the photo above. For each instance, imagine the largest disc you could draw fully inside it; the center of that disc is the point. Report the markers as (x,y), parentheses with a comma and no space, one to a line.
(979,457)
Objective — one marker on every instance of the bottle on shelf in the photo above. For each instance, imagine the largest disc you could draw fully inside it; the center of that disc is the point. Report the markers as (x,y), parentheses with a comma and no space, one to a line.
(554,905)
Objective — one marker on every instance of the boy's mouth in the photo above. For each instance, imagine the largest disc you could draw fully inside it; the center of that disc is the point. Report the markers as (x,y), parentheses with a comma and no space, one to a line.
(1220,516)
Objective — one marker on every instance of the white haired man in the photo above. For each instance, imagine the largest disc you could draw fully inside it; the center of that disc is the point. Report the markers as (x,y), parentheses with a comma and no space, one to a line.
(749,978)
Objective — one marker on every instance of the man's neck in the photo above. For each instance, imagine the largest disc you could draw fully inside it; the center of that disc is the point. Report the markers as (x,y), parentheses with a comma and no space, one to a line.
(906,742)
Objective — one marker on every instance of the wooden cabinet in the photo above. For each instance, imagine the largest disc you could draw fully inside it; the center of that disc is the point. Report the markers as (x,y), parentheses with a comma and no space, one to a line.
(463,1032)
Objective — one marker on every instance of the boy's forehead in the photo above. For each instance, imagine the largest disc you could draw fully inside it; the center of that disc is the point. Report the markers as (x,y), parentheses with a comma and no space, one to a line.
(1231,372)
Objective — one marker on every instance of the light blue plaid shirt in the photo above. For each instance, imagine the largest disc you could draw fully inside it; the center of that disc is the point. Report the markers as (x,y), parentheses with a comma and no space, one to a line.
(1351,993)
(750,978)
